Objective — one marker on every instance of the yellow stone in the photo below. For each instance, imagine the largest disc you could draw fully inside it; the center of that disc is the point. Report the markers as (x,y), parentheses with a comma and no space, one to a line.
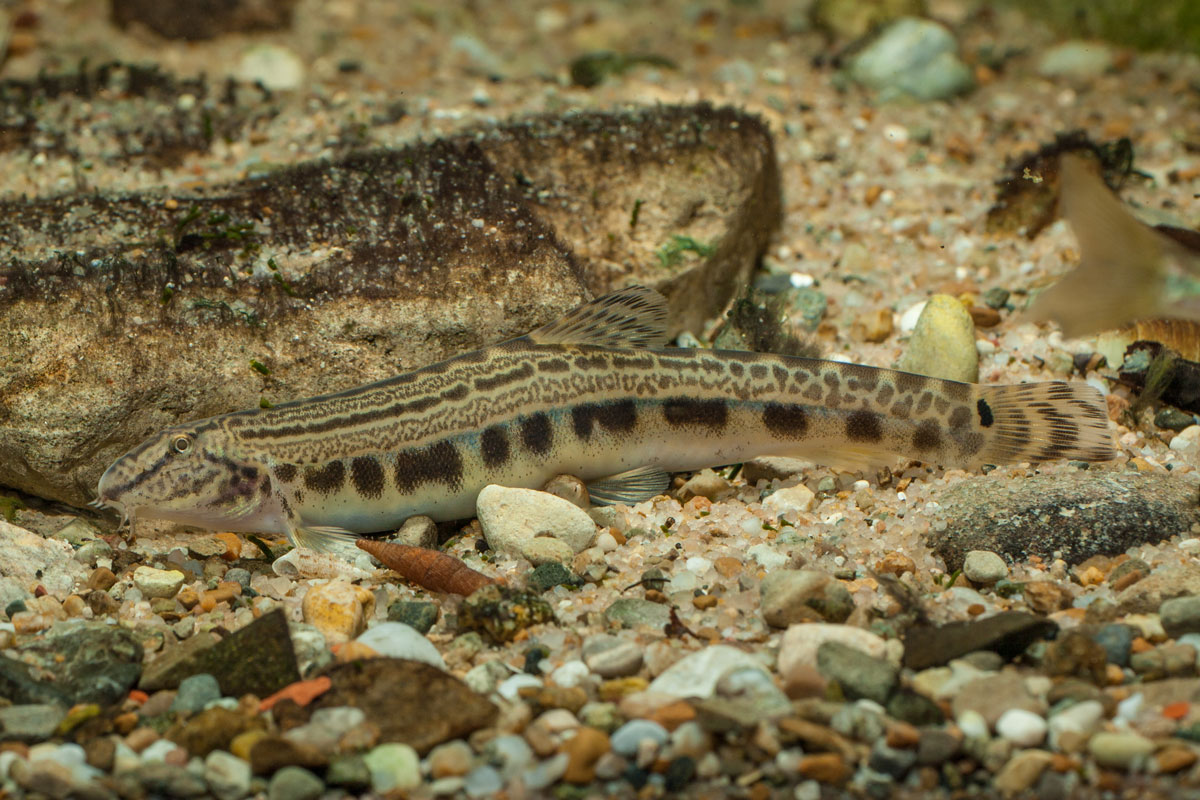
(339,609)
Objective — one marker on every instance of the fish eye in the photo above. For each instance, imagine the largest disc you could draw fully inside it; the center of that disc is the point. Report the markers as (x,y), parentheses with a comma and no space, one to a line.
(181,444)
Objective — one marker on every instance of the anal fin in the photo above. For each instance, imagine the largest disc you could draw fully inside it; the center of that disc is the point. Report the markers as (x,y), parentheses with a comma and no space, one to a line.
(324,538)
(630,487)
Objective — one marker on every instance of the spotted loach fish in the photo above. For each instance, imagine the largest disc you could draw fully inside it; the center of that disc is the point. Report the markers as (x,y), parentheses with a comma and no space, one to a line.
(596,395)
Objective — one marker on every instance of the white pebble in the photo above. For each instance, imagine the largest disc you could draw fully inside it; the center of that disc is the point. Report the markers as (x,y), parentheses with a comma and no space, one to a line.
(571,673)
(511,688)
(1022,728)
(973,725)
(698,565)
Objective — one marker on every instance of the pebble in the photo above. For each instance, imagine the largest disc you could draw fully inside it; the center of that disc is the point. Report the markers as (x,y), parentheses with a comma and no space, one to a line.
(913,57)
(227,776)
(891,761)
(697,674)
(825,767)
(418,615)
(1117,642)
(705,483)
(943,343)
(1076,60)
(1187,440)
(397,640)
(583,750)
(1078,720)
(34,722)
(545,773)
(509,753)
(571,673)
(860,675)
(1167,418)
(153,582)
(1022,728)
(1120,750)
(510,688)
(195,693)
(766,556)
(1021,772)
(973,725)
(483,781)
(510,518)
(547,576)
(791,498)
(983,567)
(800,644)
(294,783)
(451,758)
(790,596)
(1180,616)
(326,727)
(992,695)
(611,656)
(418,531)
(338,609)
(626,739)
(544,550)
(274,66)
(393,767)
(633,612)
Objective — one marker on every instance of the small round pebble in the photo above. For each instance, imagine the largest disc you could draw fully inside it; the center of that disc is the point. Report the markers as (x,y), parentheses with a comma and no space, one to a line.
(397,640)
(483,781)
(612,657)
(158,582)
(1022,728)
(294,783)
(393,767)
(625,739)
(227,775)
(195,692)
(1120,749)
(984,567)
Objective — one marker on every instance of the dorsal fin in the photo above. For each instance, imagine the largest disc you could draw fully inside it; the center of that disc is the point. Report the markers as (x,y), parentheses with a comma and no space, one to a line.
(633,317)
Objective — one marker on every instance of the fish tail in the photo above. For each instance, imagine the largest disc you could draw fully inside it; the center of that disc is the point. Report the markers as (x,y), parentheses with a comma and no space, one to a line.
(1042,422)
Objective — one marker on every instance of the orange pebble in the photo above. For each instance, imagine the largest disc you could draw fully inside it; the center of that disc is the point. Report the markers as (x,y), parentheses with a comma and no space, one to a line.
(138,696)
(672,715)
(301,692)
(1140,645)
(1177,710)
(353,651)
(233,546)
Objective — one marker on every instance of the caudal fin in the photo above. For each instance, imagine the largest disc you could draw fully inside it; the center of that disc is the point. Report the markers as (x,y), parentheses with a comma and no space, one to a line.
(1043,422)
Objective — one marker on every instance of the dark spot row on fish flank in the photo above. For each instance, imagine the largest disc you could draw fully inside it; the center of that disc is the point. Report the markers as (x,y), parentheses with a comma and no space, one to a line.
(553,365)
(437,463)
(928,436)
(286,473)
(537,434)
(456,392)
(685,412)
(366,473)
(504,378)
(786,420)
(327,478)
(618,416)
(864,426)
(493,446)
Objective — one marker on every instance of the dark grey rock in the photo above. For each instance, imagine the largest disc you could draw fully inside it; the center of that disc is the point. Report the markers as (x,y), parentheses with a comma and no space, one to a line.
(1172,419)
(258,659)
(1080,514)
(1117,640)
(1007,633)
(996,297)
(1180,615)
(859,674)
(548,575)
(239,576)
(790,596)
(416,614)
(77,662)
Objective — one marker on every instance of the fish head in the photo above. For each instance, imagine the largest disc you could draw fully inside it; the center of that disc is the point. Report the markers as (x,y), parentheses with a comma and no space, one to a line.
(191,474)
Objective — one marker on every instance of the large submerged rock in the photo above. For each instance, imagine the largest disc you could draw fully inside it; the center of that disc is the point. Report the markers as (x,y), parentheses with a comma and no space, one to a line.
(121,314)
